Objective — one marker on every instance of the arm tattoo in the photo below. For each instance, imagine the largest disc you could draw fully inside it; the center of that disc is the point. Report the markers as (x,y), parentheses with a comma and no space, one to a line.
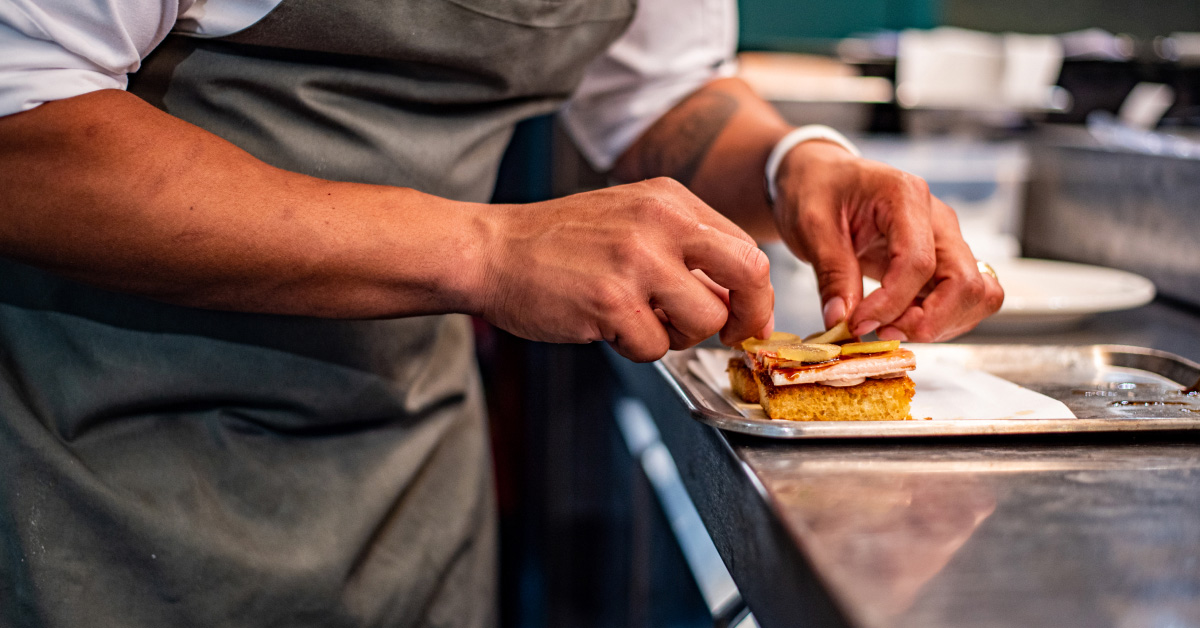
(676,145)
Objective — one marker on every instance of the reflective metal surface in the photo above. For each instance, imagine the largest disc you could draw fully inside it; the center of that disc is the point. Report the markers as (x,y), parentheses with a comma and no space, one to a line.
(1108,388)
(1071,530)
(716,585)
(995,535)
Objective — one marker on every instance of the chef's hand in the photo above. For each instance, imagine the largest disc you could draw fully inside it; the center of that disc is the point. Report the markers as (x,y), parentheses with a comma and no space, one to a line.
(645,266)
(851,217)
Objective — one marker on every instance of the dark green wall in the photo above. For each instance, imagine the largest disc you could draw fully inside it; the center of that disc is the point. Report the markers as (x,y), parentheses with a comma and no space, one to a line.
(1145,18)
(806,25)
(784,24)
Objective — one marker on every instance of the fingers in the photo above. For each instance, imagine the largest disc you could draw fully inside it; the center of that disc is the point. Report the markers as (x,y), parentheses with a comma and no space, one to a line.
(911,258)
(639,335)
(941,316)
(960,297)
(686,311)
(952,309)
(749,317)
(648,267)
(721,291)
(875,219)
(833,312)
(723,294)
(725,255)
(691,310)
(741,268)
(824,236)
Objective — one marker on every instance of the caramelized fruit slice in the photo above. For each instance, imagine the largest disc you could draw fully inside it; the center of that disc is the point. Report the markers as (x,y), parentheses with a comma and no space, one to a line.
(778,338)
(878,346)
(808,353)
(840,332)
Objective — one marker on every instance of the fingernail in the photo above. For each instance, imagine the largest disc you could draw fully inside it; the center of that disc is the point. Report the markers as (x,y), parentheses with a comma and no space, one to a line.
(834,311)
(891,333)
(865,328)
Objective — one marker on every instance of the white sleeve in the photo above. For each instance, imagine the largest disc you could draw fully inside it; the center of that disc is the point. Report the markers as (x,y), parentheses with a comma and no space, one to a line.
(56,49)
(670,50)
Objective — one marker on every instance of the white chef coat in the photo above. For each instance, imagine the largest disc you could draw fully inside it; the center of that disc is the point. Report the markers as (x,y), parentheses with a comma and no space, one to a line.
(55,49)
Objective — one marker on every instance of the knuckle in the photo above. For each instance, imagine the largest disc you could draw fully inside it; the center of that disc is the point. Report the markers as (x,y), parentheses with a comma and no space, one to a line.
(916,185)
(831,275)
(975,290)
(611,298)
(949,216)
(657,209)
(923,260)
(666,187)
(994,299)
(648,204)
(631,253)
(923,332)
(756,264)
(667,183)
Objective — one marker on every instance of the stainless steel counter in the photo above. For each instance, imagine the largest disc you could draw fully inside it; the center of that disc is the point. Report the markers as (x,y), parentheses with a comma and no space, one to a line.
(1052,531)
(1026,534)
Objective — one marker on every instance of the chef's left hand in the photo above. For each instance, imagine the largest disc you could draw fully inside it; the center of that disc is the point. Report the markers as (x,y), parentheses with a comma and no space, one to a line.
(851,217)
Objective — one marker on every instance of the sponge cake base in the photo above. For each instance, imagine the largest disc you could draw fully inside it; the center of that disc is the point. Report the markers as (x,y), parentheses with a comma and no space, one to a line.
(741,380)
(872,400)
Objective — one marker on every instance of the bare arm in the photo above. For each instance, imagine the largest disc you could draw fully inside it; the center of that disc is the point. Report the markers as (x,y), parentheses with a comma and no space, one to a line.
(716,142)
(108,190)
(845,215)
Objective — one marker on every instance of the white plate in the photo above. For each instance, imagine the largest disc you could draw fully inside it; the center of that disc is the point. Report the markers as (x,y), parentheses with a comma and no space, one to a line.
(1040,294)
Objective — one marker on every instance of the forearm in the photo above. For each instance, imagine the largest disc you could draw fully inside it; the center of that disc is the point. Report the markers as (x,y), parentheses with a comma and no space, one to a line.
(108,190)
(716,142)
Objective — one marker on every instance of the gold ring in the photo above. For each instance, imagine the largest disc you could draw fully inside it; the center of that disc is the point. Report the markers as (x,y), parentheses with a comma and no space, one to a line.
(987,269)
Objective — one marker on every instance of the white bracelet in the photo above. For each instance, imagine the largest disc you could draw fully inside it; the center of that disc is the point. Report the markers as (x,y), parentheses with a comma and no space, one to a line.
(791,140)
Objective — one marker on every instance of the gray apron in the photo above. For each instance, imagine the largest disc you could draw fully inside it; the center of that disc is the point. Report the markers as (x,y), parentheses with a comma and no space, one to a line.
(170,466)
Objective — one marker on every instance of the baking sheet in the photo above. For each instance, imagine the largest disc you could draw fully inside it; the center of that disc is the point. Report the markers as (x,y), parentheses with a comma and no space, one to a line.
(1095,388)
(945,390)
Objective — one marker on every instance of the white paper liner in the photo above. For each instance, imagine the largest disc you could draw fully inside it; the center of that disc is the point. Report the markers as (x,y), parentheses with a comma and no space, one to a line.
(945,391)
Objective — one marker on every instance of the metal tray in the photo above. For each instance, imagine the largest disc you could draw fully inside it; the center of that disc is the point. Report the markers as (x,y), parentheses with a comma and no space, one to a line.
(1110,388)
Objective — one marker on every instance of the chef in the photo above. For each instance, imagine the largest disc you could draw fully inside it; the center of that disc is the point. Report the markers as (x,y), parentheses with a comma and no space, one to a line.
(240,239)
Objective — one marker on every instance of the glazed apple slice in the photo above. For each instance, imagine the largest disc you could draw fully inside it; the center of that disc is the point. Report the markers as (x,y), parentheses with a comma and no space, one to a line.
(878,346)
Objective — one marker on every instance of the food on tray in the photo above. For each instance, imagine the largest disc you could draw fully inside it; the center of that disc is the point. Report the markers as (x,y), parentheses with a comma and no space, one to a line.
(837,333)
(798,380)
(808,353)
(742,381)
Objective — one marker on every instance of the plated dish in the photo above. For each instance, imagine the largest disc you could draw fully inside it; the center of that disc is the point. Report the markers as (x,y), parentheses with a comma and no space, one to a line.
(1045,294)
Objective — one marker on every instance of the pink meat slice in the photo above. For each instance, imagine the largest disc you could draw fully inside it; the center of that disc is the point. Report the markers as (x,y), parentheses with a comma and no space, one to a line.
(892,362)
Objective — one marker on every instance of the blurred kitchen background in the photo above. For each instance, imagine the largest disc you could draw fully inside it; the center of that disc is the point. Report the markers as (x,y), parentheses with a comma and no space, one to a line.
(1064,131)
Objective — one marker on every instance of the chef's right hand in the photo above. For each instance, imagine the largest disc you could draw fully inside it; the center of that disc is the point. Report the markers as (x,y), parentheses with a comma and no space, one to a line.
(645,267)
